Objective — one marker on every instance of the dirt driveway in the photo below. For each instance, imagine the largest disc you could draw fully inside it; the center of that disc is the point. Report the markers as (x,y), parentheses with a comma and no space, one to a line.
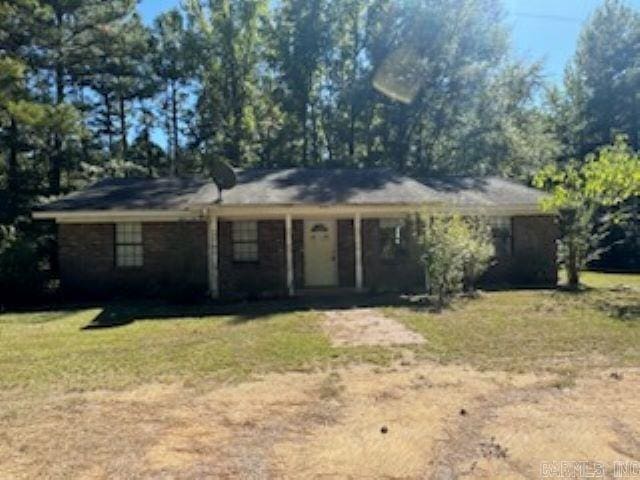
(366,326)
(407,421)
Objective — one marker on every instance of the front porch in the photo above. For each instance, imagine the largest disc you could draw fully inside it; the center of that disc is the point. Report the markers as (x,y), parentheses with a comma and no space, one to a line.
(314,256)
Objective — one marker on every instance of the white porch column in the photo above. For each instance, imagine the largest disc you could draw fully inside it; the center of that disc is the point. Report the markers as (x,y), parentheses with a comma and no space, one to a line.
(357,233)
(212,252)
(288,227)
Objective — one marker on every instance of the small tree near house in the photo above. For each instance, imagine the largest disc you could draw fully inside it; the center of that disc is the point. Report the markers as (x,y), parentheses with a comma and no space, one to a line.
(590,197)
(455,252)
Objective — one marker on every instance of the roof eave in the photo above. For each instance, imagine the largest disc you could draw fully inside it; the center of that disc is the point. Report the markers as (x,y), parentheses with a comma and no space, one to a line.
(202,211)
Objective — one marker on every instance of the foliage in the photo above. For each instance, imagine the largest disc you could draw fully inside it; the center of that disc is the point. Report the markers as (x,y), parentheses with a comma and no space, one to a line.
(20,277)
(590,198)
(603,79)
(456,252)
(229,42)
(419,86)
(599,101)
(260,83)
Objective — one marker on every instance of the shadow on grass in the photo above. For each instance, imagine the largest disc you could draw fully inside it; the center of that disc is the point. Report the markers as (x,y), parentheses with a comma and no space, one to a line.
(621,302)
(37,316)
(120,314)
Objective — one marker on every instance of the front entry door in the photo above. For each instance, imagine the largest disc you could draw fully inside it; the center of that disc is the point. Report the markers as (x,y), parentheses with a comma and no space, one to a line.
(320,253)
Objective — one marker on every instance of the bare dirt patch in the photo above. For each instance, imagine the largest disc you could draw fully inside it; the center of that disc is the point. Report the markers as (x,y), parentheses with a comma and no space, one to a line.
(417,421)
(367,327)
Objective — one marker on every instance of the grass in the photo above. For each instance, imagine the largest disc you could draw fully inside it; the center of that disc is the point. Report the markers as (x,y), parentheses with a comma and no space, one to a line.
(610,280)
(158,343)
(529,329)
(517,330)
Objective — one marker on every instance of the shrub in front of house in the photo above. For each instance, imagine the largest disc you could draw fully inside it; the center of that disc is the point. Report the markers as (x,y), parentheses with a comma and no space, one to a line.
(455,252)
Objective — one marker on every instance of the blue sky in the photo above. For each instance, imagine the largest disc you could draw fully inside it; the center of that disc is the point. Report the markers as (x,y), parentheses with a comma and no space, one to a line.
(542,29)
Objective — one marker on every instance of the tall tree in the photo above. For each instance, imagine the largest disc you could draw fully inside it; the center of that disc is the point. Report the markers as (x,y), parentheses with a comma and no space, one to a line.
(21,111)
(449,84)
(346,90)
(229,34)
(63,40)
(600,101)
(301,36)
(603,80)
(119,72)
(174,67)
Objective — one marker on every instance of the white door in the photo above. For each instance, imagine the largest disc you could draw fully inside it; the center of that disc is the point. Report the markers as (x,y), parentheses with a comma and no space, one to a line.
(320,253)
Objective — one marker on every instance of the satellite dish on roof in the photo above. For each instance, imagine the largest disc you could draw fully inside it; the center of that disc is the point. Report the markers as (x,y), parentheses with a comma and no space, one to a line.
(223,176)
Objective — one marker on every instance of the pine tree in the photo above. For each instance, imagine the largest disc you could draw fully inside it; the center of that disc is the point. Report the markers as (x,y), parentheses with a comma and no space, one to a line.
(301,39)
(64,37)
(20,110)
(229,36)
(174,68)
(604,78)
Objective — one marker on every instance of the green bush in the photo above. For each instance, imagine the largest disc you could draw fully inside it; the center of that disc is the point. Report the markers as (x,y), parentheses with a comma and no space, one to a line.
(21,279)
(456,251)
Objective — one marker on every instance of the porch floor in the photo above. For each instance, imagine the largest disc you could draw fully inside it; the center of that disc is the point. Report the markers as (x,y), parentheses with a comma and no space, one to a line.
(327,291)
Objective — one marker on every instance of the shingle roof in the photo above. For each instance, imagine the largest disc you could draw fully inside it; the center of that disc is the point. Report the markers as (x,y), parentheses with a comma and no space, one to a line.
(139,194)
(299,186)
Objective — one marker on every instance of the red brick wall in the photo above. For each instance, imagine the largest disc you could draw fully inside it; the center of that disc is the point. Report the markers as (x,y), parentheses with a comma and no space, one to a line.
(346,254)
(532,261)
(379,274)
(265,277)
(175,257)
(535,250)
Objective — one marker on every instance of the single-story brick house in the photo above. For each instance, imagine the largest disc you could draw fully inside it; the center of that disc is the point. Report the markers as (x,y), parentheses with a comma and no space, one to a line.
(284,232)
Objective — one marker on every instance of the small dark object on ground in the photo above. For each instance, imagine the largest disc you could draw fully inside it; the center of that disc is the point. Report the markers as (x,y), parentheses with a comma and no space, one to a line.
(384,429)
(616,376)
(492,449)
(463,412)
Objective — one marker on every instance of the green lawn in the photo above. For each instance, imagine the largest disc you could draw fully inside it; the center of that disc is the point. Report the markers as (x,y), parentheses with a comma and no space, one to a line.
(610,280)
(513,330)
(41,350)
(158,343)
(527,329)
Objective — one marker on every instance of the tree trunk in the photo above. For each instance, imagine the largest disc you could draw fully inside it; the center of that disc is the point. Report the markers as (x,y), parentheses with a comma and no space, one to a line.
(304,134)
(174,126)
(108,125)
(55,166)
(12,170)
(168,129)
(12,158)
(123,127)
(573,272)
(314,131)
(147,143)
(354,75)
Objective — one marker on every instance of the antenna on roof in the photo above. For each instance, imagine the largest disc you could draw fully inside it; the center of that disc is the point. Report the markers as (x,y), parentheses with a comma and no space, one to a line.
(223,176)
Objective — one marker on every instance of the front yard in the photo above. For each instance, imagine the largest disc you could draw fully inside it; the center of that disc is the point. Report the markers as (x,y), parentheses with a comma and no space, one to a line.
(259,390)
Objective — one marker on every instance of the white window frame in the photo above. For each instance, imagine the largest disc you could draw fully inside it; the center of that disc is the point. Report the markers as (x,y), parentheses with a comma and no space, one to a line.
(129,250)
(244,241)
(398,225)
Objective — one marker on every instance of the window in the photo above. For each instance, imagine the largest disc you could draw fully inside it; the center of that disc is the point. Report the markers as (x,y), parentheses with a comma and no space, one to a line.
(129,245)
(245,241)
(392,238)
(501,229)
